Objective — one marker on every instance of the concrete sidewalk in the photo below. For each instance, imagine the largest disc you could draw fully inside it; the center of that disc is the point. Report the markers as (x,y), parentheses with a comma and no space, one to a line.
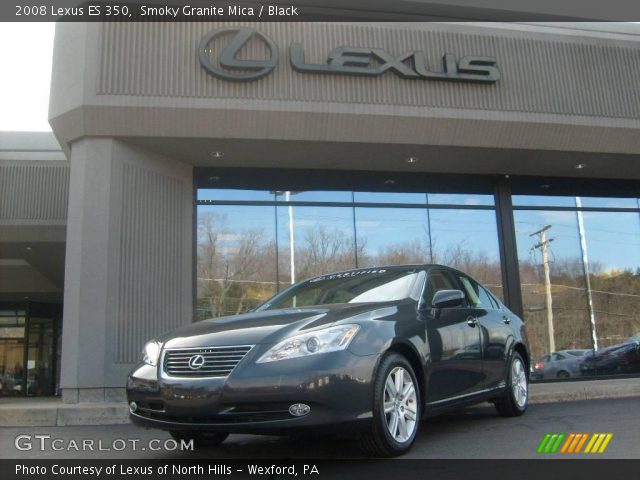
(43,412)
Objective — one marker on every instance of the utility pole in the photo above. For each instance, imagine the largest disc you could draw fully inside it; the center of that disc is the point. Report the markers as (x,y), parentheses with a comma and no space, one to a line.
(543,246)
(292,248)
(587,274)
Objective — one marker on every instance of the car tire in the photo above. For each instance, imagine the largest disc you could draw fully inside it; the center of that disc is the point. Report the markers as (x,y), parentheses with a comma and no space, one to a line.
(515,400)
(200,440)
(388,403)
(563,374)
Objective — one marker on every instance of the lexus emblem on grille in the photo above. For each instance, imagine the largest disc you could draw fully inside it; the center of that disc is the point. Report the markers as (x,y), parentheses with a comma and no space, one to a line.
(196,362)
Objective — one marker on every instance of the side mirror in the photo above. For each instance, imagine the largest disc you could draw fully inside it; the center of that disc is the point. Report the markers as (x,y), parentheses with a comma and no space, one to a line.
(448,299)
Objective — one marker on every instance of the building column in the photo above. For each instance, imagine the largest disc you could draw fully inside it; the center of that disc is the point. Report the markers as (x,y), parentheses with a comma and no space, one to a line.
(508,247)
(129,257)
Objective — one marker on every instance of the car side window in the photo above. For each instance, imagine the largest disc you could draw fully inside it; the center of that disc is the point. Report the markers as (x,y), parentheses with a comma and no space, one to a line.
(477,296)
(438,280)
(558,357)
(494,301)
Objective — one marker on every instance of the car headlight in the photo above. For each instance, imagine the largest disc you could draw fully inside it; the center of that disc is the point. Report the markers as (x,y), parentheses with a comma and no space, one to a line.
(151,353)
(330,339)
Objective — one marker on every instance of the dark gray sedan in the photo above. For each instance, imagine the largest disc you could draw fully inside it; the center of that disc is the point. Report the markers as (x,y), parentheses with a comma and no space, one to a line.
(369,351)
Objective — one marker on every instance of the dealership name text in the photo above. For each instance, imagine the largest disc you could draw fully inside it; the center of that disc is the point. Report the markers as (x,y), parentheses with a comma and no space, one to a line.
(167,469)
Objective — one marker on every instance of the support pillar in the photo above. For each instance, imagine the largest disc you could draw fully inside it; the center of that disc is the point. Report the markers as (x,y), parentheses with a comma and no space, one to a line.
(129,257)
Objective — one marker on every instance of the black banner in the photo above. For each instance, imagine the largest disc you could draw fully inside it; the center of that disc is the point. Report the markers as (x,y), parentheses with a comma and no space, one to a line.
(583,469)
(319,10)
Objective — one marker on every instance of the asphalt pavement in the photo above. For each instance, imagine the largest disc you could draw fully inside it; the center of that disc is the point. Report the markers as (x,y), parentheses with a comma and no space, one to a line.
(476,432)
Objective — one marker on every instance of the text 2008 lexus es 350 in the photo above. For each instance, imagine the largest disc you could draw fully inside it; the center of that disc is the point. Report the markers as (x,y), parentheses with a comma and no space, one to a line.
(371,351)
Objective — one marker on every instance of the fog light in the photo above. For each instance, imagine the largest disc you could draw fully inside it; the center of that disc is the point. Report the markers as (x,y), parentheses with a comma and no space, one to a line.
(133,406)
(299,409)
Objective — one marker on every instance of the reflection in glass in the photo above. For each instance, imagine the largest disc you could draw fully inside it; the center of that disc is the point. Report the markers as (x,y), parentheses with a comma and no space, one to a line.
(392,236)
(12,338)
(322,242)
(468,240)
(542,201)
(613,248)
(594,260)
(460,199)
(236,258)
(240,263)
(609,202)
(566,201)
(40,357)
(235,195)
(568,318)
(390,197)
(314,196)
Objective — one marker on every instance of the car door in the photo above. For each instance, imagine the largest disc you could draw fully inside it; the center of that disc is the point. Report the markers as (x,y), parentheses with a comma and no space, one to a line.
(561,364)
(456,363)
(493,325)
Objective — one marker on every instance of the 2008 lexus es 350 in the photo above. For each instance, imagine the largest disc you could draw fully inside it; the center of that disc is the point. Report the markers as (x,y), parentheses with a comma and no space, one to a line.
(371,351)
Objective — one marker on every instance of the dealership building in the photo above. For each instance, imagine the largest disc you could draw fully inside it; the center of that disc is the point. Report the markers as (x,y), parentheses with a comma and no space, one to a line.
(195,169)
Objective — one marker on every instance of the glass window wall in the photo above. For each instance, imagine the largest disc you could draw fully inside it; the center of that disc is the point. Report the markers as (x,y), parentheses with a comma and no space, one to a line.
(580,280)
(236,267)
(313,241)
(253,243)
(467,239)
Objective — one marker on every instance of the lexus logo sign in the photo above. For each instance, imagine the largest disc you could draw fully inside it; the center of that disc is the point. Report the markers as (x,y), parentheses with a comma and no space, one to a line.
(228,61)
(372,62)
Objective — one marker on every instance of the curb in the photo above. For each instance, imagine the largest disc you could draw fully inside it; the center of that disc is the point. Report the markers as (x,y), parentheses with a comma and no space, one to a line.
(65,415)
(536,398)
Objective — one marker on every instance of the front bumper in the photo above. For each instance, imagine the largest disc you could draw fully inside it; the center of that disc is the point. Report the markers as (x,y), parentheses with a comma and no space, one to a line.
(255,398)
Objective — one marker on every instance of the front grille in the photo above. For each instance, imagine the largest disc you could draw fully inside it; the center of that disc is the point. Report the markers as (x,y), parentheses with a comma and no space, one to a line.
(218,361)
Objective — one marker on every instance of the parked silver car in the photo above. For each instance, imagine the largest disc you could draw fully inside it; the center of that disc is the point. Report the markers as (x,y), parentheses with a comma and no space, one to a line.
(560,364)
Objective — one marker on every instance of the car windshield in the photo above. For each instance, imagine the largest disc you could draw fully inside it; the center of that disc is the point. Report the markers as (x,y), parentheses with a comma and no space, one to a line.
(577,353)
(355,286)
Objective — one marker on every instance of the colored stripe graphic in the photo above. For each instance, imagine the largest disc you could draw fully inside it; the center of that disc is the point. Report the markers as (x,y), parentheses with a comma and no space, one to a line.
(556,445)
(604,445)
(550,443)
(573,443)
(598,443)
(581,442)
(543,443)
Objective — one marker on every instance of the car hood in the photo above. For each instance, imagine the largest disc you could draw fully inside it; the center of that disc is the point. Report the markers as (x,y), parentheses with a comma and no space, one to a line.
(270,326)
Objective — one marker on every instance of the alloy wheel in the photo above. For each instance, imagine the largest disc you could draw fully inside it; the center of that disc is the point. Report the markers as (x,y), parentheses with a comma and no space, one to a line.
(400,404)
(519,383)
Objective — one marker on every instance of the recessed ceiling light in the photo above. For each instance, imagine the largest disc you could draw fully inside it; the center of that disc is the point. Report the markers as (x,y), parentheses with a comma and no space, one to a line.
(412,160)
(580,166)
(390,182)
(217,154)
(28,249)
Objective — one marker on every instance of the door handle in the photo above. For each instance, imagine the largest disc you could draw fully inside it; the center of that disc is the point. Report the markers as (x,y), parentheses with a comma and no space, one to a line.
(506,319)
(472,321)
